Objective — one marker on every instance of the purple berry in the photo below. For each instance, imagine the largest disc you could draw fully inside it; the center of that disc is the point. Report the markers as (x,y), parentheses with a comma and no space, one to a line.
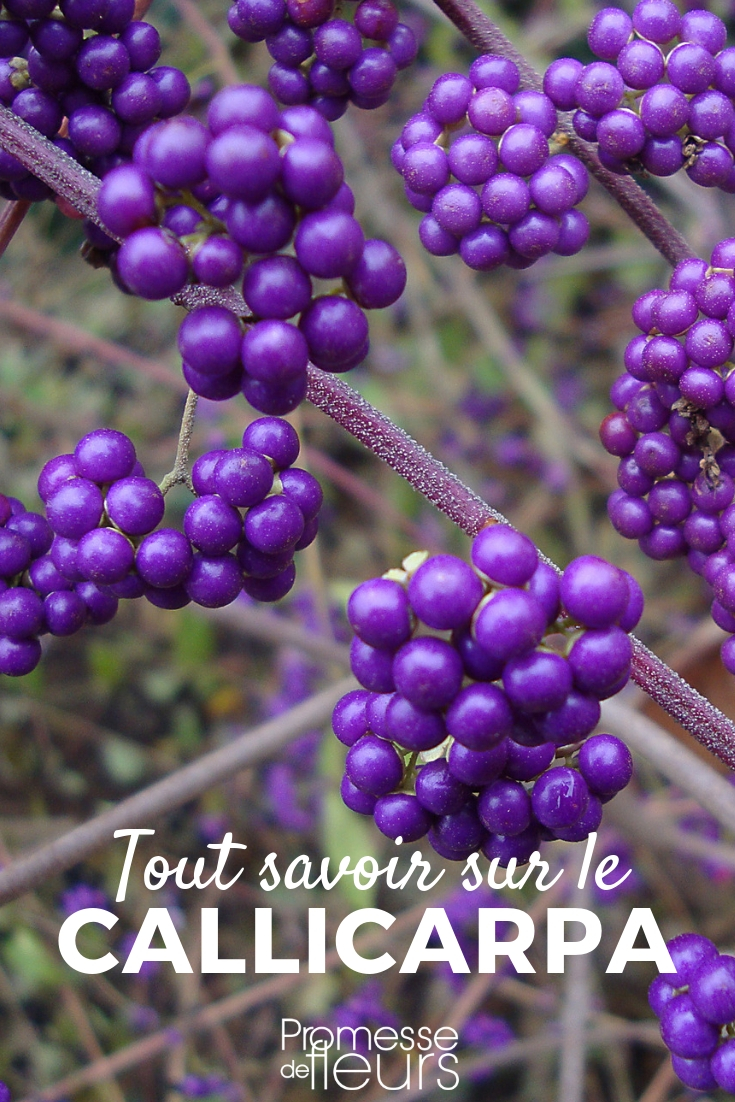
(374,765)
(428,672)
(559,797)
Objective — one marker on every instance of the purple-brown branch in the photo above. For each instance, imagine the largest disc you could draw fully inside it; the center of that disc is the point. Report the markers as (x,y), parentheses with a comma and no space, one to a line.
(446,492)
(485,36)
(11,220)
(46,161)
(387,441)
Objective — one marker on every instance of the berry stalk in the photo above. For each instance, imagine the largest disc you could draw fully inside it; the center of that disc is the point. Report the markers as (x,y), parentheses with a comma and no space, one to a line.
(482,33)
(180,472)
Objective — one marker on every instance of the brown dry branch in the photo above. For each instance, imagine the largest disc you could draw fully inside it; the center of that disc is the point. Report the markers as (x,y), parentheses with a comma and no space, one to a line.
(163,796)
(610,1032)
(673,760)
(11,220)
(205,32)
(207,1017)
(70,338)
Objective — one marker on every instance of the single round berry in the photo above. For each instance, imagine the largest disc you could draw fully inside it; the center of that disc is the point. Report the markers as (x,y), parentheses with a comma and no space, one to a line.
(504,807)
(212,525)
(444,592)
(401,815)
(594,592)
(685,1032)
(413,727)
(606,764)
(508,623)
(214,580)
(438,790)
(536,682)
(712,991)
(428,672)
(479,716)
(457,835)
(379,613)
(374,765)
(135,505)
(688,951)
(361,802)
(477,768)
(104,556)
(164,558)
(559,797)
(209,340)
(504,555)
(75,508)
(152,263)
(349,718)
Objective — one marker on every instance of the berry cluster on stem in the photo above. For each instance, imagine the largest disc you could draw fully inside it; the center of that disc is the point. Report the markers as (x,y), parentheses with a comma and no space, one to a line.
(477,738)
(696,1008)
(501,139)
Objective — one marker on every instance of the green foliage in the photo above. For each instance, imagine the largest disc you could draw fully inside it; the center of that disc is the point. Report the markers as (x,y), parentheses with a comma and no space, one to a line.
(29,962)
(343,834)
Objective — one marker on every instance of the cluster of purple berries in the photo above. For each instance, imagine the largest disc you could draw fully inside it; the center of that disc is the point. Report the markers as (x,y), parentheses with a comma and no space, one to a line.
(87,62)
(674,428)
(24,540)
(323,60)
(696,1006)
(255,510)
(203,201)
(456,735)
(494,195)
(40,590)
(101,541)
(661,97)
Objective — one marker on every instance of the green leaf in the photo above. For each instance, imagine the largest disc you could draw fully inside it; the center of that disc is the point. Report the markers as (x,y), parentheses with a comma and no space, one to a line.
(195,641)
(123,761)
(344,832)
(104,658)
(30,962)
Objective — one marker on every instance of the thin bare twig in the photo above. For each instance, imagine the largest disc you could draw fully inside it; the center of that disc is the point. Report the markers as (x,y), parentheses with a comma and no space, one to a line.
(575,1011)
(662,1082)
(637,821)
(610,1032)
(365,493)
(180,474)
(71,338)
(107,1089)
(674,760)
(203,30)
(260,623)
(207,1017)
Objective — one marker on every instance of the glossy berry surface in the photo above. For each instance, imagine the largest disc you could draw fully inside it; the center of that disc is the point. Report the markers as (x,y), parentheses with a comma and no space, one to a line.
(496,195)
(492,725)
